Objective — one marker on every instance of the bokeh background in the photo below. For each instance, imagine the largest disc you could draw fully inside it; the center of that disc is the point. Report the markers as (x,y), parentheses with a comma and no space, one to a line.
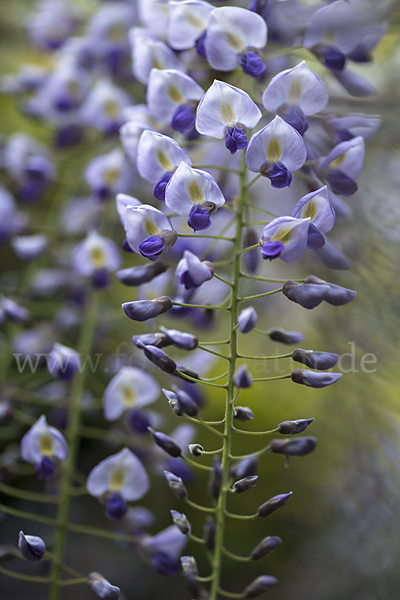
(341,528)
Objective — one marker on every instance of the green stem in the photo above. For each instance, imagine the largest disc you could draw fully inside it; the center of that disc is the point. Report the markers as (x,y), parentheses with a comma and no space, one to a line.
(84,347)
(230,393)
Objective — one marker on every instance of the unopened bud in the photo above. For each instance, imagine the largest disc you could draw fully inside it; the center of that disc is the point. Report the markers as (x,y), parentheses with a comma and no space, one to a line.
(244,484)
(103,588)
(191,573)
(196,450)
(315,360)
(265,547)
(142,310)
(242,378)
(260,585)
(247,319)
(158,357)
(273,504)
(300,446)
(31,547)
(181,339)
(251,258)
(245,467)
(294,427)
(159,340)
(181,521)
(166,443)
(313,379)
(185,371)
(215,481)
(306,294)
(135,276)
(209,533)
(243,413)
(176,484)
(337,295)
(285,337)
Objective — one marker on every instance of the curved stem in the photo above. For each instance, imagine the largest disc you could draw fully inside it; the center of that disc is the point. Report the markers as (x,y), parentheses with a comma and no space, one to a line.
(84,347)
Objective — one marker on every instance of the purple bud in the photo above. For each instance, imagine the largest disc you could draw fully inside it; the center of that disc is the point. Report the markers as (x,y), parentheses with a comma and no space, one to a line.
(176,484)
(186,403)
(159,340)
(181,521)
(185,371)
(14,312)
(196,450)
(245,467)
(308,295)
(160,187)
(152,246)
(215,481)
(184,118)
(102,588)
(190,570)
(260,585)
(337,295)
(252,64)
(209,533)
(158,357)
(236,139)
(266,546)
(116,507)
(314,380)
(271,250)
(280,176)
(273,504)
(285,337)
(315,360)
(166,443)
(181,339)
(300,446)
(31,547)
(199,218)
(244,484)
(294,427)
(243,413)
(142,310)
(247,319)
(242,378)
(251,258)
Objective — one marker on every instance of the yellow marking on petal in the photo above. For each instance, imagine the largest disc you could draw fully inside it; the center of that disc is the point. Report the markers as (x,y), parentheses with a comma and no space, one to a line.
(294,95)
(117,480)
(116,32)
(274,151)
(329,37)
(282,234)
(335,164)
(310,210)
(111,109)
(195,194)
(97,257)
(129,396)
(111,176)
(227,114)
(157,64)
(73,87)
(237,44)
(176,95)
(46,446)
(164,161)
(194,21)
(151,228)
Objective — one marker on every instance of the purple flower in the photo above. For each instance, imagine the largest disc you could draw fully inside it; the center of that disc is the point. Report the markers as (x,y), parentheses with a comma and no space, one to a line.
(284,237)
(43,446)
(313,379)
(31,547)
(192,272)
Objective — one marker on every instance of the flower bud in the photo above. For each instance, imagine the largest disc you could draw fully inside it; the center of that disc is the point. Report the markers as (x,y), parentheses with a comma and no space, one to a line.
(247,319)
(209,533)
(273,504)
(191,573)
(175,407)
(187,404)
(181,521)
(196,450)
(103,588)
(260,585)
(244,484)
(315,380)
(31,547)
(251,258)
(337,295)
(176,484)
(243,413)
(265,546)
(245,467)
(285,337)
(180,339)
(242,378)
(215,481)
(135,276)
(306,294)
(294,427)
(185,371)
(142,310)
(166,443)
(159,340)
(300,446)
(158,357)
(315,360)
(63,362)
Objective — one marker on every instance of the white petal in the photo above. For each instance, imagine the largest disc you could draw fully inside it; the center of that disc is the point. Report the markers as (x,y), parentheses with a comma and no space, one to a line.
(317,206)
(143,221)
(291,232)
(222,106)
(188,187)
(149,53)
(167,90)
(298,86)
(336,22)
(31,442)
(130,388)
(186,22)
(158,154)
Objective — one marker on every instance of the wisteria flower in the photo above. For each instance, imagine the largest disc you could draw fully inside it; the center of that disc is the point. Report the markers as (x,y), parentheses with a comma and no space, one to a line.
(284,237)
(187,24)
(148,231)
(342,166)
(227,112)
(104,107)
(275,151)
(130,389)
(172,98)
(164,549)
(96,257)
(117,480)
(64,362)
(232,34)
(45,447)
(316,206)
(192,272)
(137,120)
(150,53)
(195,193)
(109,174)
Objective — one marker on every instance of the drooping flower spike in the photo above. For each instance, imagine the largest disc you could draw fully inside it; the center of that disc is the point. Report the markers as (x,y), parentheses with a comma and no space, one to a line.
(96,257)
(231,33)
(227,112)
(193,193)
(275,151)
(157,160)
(148,231)
(150,53)
(43,446)
(295,93)
(316,206)
(172,97)
(342,166)
(187,24)
(118,479)
(284,237)
(130,389)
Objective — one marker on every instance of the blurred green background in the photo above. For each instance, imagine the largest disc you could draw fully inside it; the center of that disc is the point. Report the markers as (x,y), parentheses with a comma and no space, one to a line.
(341,528)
